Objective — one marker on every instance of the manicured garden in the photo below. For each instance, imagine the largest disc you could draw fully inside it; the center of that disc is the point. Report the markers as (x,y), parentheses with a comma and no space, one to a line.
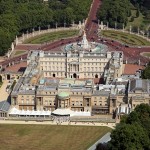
(50,37)
(19,52)
(125,38)
(146,54)
(49,137)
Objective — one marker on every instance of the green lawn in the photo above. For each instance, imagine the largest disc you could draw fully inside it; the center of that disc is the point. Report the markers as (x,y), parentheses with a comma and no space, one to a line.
(138,21)
(125,38)
(146,54)
(19,52)
(49,37)
(49,137)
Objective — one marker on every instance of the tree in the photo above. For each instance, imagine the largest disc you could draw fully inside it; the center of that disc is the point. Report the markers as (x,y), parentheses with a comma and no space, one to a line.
(101,146)
(133,132)
(129,137)
(20,16)
(137,13)
(146,72)
(114,11)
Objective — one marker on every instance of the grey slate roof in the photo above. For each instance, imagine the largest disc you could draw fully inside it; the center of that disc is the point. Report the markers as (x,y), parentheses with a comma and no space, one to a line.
(139,84)
(4,106)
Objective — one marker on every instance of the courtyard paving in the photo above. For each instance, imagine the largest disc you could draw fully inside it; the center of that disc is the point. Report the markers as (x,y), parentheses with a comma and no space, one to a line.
(3,93)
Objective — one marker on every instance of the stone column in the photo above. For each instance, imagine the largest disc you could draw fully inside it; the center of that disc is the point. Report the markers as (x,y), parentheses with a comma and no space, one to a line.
(143,33)
(33,32)
(48,27)
(73,67)
(56,25)
(107,25)
(83,22)
(115,25)
(138,30)
(70,67)
(27,34)
(123,27)
(79,24)
(16,40)
(102,26)
(147,35)
(58,103)
(12,46)
(139,62)
(130,29)
(73,23)
(64,24)
(23,37)
(39,29)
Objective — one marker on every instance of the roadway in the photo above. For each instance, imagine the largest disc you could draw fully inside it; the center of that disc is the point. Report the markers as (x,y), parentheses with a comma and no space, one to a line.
(131,54)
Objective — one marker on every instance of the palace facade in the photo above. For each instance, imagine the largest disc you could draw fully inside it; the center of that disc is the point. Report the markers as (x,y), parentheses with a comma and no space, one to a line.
(66,79)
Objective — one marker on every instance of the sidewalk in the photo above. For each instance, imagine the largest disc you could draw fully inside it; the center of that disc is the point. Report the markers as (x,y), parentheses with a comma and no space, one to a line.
(104,139)
(55,123)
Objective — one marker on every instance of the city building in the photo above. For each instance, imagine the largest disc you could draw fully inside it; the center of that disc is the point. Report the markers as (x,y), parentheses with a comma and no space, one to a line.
(139,92)
(79,60)
(82,76)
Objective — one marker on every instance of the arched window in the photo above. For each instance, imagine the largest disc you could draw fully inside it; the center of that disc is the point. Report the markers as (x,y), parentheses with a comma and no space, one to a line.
(96,76)
(74,75)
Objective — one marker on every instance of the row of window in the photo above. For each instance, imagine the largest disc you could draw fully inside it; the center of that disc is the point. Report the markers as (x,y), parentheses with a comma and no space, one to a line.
(27,96)
(61,59)
(27,99)
(100,104)
(27,102)
(94,63)
(52,67)
(92,59)
(51,62)
(54,74)
(51,58)
(92,69)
